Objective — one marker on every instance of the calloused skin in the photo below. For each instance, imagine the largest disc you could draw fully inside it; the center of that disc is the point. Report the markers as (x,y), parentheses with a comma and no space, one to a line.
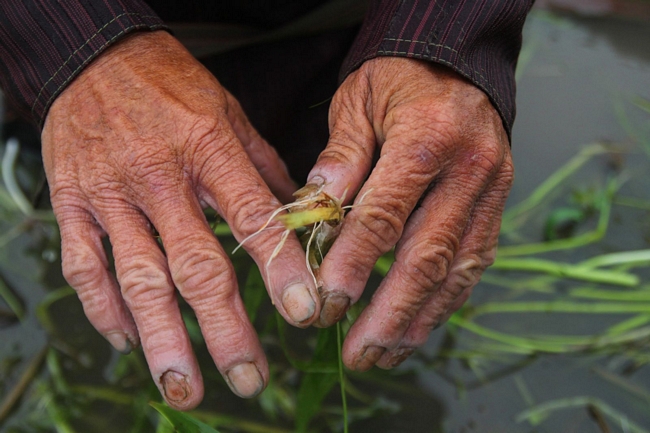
(146,136)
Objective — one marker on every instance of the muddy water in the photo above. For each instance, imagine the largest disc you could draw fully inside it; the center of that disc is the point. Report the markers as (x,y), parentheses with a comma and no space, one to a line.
(575,72)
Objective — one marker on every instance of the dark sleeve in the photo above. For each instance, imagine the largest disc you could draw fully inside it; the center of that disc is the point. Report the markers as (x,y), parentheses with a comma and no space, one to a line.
(479,39)
(44,44)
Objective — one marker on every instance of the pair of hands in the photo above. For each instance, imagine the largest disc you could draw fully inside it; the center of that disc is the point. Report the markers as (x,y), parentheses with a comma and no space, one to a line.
(147,136)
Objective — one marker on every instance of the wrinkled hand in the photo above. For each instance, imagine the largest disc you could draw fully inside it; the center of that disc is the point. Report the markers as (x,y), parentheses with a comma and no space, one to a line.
(147,136)
(436,194)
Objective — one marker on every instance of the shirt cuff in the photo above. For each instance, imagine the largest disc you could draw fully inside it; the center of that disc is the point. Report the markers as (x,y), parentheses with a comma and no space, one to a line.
(44,45)
(479,39)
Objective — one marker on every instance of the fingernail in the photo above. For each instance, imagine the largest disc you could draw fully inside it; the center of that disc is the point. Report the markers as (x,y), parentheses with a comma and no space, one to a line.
(175,386)
(316,180)
(369,358)
(119,341)
(245,380)
(298,302)
(397,357)
(334,308)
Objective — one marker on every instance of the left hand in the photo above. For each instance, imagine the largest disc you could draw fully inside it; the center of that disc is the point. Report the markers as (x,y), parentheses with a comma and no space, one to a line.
(436,194)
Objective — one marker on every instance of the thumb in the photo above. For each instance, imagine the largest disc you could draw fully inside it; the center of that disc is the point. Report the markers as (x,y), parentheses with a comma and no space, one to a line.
(347,159)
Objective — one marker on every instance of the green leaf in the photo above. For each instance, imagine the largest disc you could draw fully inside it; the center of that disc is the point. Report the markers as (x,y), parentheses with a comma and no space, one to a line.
(254,293)
(317,364)
(562,222)
(314,387)
(182,422)
(12,300)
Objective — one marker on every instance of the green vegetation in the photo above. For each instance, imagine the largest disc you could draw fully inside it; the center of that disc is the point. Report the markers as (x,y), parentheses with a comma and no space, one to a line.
(562,288)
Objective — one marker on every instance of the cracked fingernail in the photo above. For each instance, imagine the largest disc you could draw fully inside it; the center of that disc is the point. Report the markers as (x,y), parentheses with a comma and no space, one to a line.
(334,307)
(245,380)
(298,302)
(369,358)
(119,341)
(175,386)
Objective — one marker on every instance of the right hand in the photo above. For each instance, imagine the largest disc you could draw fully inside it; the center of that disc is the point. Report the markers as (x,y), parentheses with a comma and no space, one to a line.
(144,136)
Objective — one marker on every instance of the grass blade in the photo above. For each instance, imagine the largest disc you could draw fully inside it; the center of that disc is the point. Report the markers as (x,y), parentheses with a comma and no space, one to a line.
(344,403)
(11,300)
(567,270)
(25,379)
(182,422)
(8,177)
(547,408)
(515,216)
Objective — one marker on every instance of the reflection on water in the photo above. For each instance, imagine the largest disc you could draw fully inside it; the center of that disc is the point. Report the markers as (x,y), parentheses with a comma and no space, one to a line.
(578,81)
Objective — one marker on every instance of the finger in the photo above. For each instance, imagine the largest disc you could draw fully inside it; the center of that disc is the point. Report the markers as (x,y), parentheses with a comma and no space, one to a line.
(85,267)
(150,295)
(347,159)
(423,260)
(477,251)
(375,223)
(247,205)
(205,278)
(263,156)
(342,168)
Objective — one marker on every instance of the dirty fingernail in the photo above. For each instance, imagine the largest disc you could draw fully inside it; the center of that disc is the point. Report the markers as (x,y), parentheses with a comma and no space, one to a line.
(334,307)
(298,302)
(396,358)
(175,386)
(245,380)
(369,358)
(119,341)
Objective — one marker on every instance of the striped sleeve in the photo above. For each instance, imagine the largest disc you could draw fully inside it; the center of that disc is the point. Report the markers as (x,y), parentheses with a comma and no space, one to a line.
(479,39)
(44,44)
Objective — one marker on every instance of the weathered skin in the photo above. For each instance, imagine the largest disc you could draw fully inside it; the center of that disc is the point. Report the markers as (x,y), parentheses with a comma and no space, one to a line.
(436,194)
(146,134)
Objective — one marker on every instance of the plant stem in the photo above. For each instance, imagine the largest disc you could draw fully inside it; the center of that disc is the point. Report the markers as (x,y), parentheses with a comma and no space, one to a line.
(621,258)
(574,242)
(567,403)
(9,178)
(561,307)
(611,295)
(567,270)
(12,301)
(510,216)
(29,374)
(344,402)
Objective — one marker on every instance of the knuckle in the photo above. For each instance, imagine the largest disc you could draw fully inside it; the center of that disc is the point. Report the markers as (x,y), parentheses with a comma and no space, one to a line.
(82,270)
(464,274)
(144,285)
(507,175)
(426,119)
(64,192)
(203,274)
(341,153)
(487,161)
(490,256)
(384,223)
(418,337)
(429,265)
(205,131)
(252,211)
